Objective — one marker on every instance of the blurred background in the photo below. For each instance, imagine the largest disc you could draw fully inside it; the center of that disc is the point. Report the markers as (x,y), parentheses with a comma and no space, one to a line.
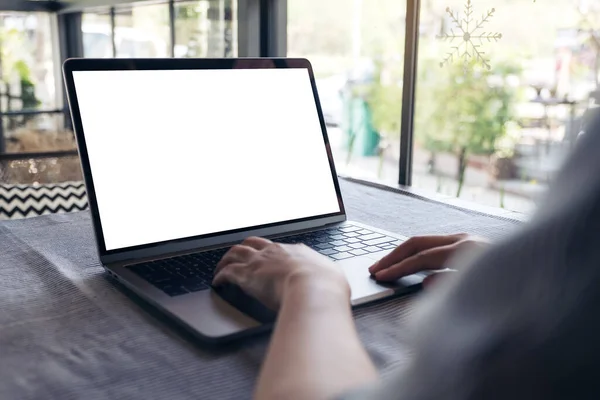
(492,129)
(493,136)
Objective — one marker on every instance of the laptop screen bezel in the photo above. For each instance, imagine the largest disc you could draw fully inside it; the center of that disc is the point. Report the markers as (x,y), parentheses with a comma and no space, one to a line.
(200,241)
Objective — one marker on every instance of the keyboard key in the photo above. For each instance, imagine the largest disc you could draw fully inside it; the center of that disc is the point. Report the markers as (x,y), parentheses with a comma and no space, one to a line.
(186,274)
(370,236)
(342,248)
(338,243)
(351,240)
(349,228)
(327,252)
(358,252)
(341,256)
(382,240)
(179,275)
(388,247)
(372,249)
(338,237)
(364,232)
(323,246)
(351,234)
(358,245)
(159,277)
(283,240)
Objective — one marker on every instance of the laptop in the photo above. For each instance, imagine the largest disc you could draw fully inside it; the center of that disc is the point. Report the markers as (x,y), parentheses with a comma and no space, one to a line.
(183,158)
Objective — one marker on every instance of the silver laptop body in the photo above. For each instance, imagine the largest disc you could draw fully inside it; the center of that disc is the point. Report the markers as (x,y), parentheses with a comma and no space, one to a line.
(126,239)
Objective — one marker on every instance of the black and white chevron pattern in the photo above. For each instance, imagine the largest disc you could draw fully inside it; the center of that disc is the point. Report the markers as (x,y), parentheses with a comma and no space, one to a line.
(24,201)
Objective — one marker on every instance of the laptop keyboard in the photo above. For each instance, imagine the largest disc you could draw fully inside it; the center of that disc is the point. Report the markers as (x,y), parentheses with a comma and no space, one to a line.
(191,273)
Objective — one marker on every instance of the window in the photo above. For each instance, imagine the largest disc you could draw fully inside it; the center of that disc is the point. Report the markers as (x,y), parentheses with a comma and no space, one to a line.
(27,70)
(498,105)
(97,35)
(142,31)
(494,129)
(356,48)
(31,116)
(206,28)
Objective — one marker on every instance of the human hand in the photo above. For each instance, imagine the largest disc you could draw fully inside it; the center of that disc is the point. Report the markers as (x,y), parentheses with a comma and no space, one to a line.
(265,270)
(422,253)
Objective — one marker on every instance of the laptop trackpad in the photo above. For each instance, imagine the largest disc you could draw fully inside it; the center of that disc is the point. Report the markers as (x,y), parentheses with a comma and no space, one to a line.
(365,289)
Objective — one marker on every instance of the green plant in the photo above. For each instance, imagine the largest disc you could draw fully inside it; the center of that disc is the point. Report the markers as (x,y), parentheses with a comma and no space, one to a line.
(469,112)
(28,97)
(384,97)
(386,103)
(12,40)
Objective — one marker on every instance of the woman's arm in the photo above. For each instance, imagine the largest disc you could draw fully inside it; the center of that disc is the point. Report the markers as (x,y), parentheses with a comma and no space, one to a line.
(315,351)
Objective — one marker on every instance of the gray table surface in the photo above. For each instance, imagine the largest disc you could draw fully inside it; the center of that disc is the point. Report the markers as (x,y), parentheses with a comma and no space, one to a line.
(66,332)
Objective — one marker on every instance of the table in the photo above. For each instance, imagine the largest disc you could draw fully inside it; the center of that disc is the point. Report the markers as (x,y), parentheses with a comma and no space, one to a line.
(67,332)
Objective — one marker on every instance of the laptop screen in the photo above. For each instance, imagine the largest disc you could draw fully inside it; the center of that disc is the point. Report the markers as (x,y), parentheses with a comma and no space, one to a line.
(182,153)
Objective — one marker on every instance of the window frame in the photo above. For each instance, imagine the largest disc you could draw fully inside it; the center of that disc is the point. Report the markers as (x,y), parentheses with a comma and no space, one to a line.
(409,89)
(251,23)
(29,5)
(49,7)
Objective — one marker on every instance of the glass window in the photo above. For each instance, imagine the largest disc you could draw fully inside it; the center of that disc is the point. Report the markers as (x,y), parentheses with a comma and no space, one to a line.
(28,79)
(499,99)
(27,71)
(142,31)
(357,51)
(97,35)
(206,28)
(28,83)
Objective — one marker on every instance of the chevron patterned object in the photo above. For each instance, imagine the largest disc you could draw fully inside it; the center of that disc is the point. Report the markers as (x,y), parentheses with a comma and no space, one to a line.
(24,201)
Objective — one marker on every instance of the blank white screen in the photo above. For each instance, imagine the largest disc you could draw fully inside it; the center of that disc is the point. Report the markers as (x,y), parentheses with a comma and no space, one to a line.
(176,154)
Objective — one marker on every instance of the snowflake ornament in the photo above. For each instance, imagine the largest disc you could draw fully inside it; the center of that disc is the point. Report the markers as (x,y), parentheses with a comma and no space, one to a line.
(470,36)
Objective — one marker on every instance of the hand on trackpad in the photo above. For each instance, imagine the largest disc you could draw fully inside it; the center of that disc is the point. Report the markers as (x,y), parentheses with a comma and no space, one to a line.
(422,256)
(253,308)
